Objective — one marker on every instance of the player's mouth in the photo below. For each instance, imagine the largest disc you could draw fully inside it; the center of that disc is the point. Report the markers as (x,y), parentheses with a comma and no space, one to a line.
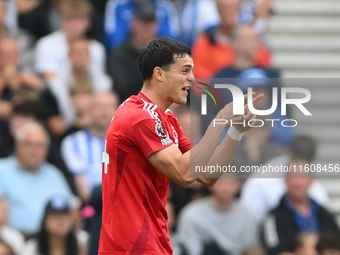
(185,89)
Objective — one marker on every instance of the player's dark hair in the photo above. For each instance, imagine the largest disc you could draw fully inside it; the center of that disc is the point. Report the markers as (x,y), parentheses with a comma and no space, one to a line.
(160,52)
(303,147)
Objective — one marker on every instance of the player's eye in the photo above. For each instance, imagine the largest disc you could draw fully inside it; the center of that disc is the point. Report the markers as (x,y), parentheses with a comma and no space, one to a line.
(185,71)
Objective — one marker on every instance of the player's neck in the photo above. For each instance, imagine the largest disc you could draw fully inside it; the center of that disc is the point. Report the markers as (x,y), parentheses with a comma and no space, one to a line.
(155,97)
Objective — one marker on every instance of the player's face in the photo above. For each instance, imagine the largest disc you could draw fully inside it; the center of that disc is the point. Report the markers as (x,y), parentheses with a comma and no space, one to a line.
(178,79)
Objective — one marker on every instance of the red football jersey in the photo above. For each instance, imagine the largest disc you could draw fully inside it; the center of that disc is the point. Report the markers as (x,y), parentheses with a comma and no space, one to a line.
(134,192)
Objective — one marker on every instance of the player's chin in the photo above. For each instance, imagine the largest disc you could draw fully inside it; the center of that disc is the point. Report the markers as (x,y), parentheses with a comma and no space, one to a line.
(182,101)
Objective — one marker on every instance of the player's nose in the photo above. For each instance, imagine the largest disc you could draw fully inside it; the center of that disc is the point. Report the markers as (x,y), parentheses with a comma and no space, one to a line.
(192,79)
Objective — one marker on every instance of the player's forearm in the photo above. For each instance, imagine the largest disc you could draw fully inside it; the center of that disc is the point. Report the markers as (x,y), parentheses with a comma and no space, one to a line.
(222,156)
(225,152)
(202,153)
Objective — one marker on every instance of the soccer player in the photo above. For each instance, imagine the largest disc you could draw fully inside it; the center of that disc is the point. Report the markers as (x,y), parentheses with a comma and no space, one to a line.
(145,147)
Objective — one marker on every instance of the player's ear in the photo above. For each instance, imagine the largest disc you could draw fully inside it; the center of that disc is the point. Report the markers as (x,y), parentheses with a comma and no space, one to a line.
(158,73)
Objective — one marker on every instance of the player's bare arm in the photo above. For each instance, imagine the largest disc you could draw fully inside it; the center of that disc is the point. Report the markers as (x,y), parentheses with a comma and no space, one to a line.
(176,166)
(225,152)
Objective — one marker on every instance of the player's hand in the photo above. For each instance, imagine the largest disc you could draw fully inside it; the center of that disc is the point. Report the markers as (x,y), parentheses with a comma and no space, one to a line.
(248,115)
(226,113)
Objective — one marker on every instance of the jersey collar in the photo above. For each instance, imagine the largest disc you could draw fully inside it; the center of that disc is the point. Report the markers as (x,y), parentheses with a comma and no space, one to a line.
(159,111)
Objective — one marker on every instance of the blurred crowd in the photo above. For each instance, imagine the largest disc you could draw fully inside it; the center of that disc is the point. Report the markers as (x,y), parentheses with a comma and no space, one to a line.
(66,65)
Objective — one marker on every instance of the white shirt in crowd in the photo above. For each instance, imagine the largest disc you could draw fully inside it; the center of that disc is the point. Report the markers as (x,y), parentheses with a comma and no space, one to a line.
(52,54)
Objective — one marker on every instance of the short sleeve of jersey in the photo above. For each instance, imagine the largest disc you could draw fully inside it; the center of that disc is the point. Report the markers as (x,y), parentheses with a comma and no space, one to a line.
(185,143)
(148,139)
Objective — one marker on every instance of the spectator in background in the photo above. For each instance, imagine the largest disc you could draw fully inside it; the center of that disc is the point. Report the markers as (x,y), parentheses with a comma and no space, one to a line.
(52,51)
(27,181)
(58,234)
(246,45)
(261,195)
(119,13)
(6,249)
(82,151)
(218,224)
(11,74)
(10,58)
(24,39)
(95,30)
(32,16)
(248,74)
(57,95)
(195,17)
(213,49)
(22,114)
(11,236)
(81,97)
(306,244)
(295,214)
(11,78)
(123,61)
